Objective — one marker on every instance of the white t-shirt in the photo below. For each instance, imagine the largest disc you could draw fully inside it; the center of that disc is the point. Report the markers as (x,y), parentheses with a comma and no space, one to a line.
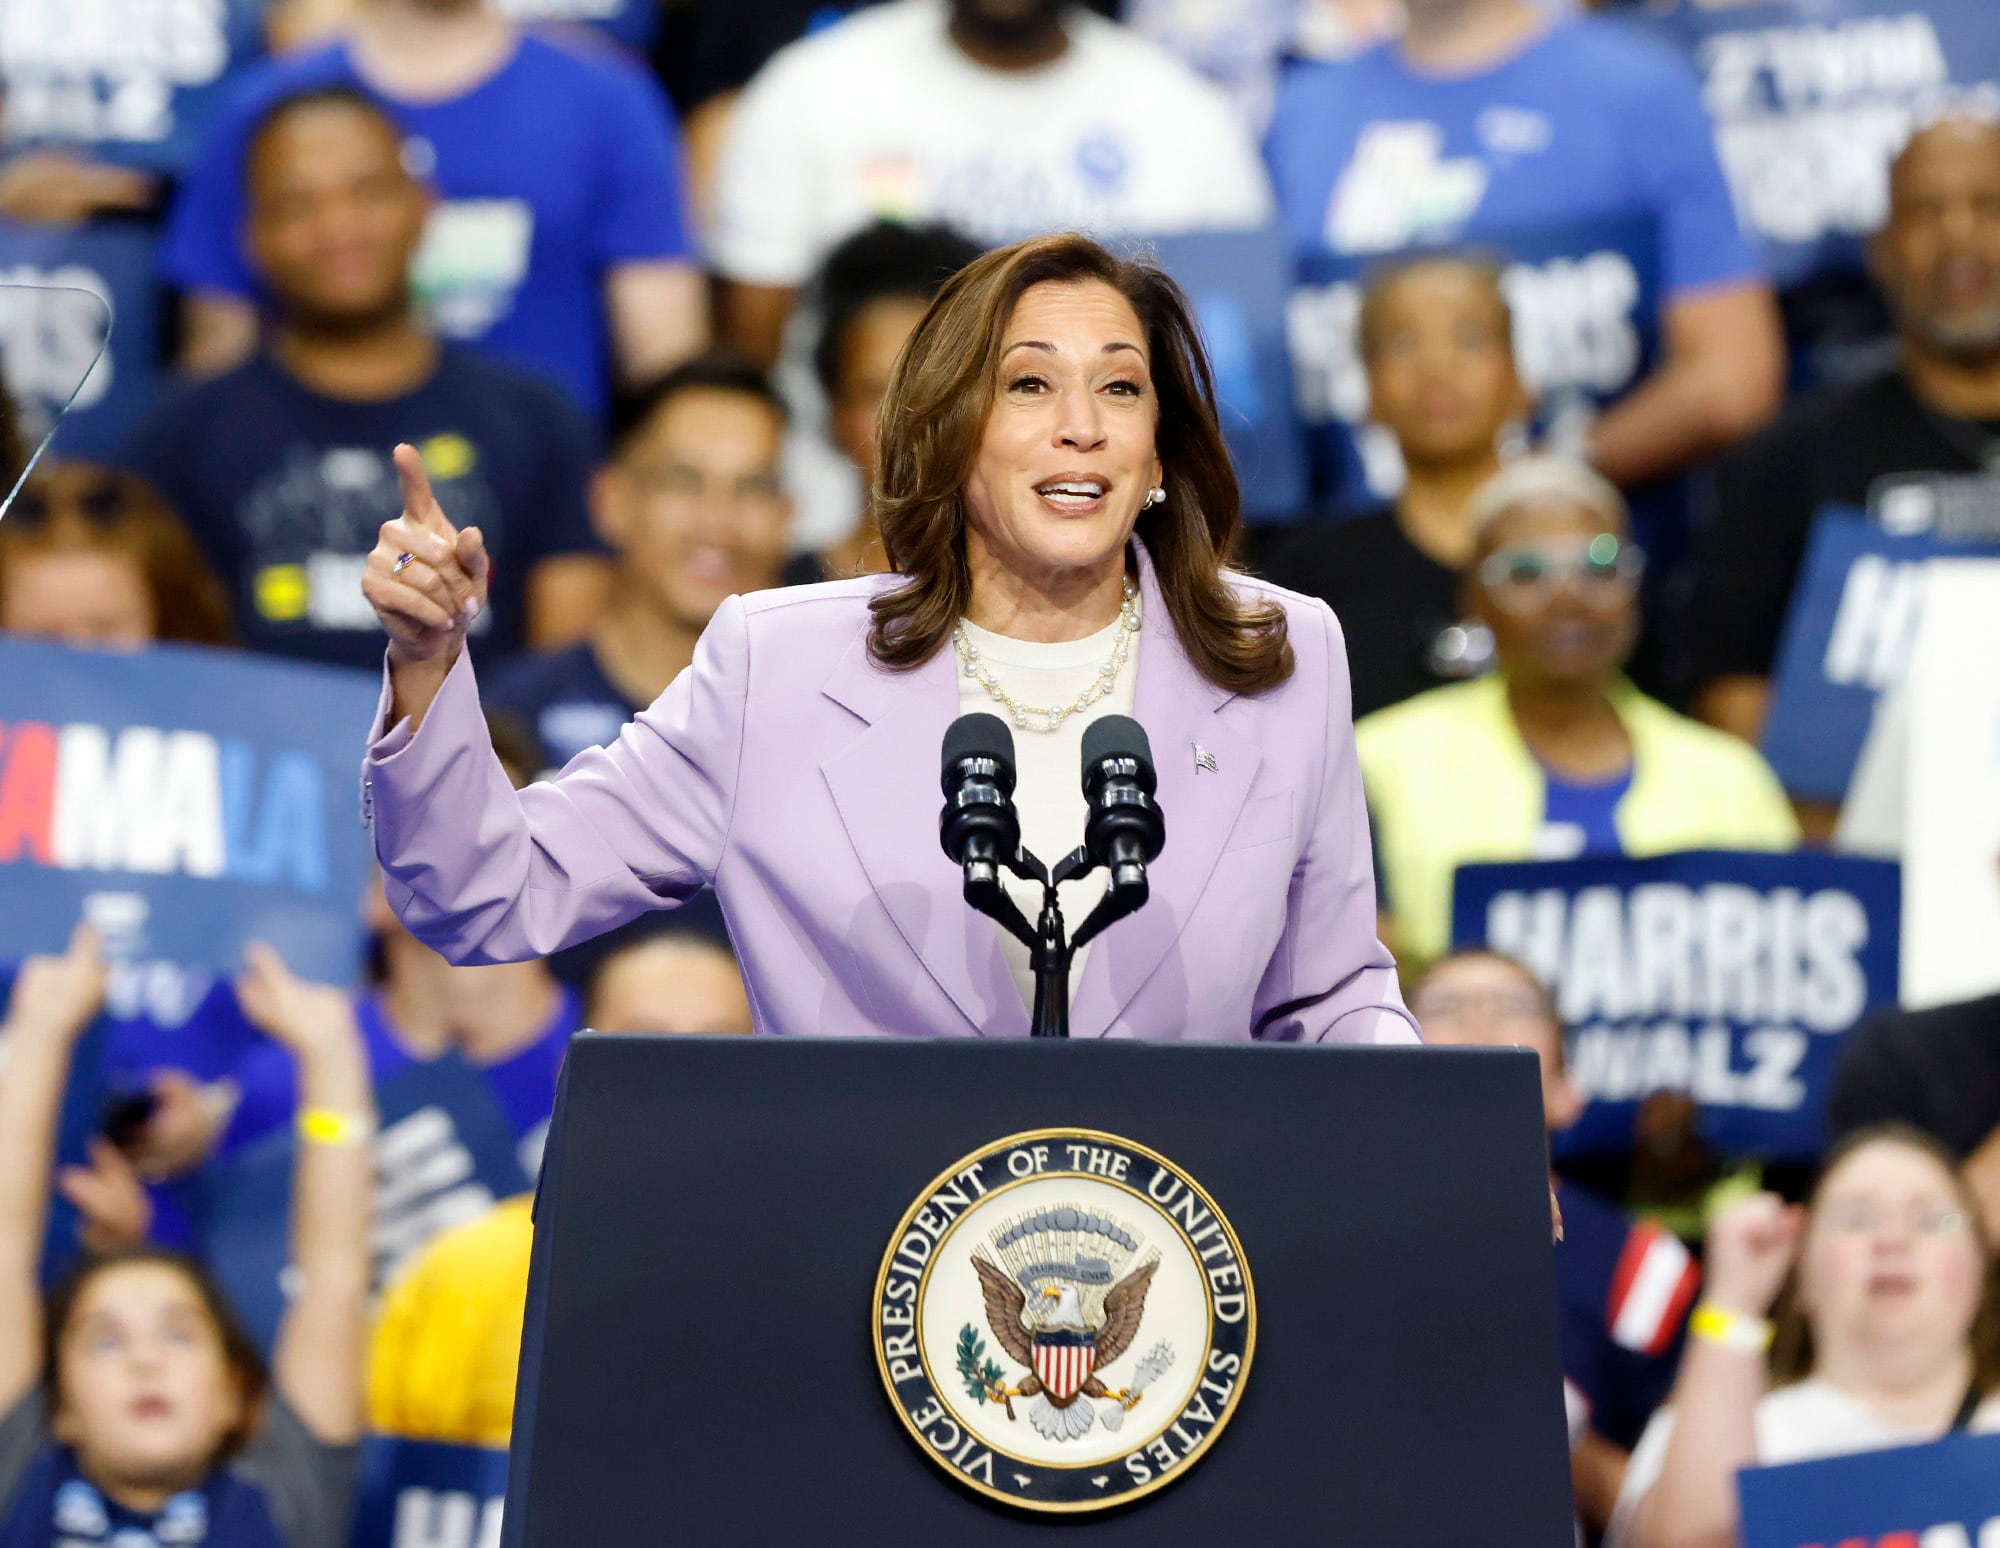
(1048,767)
(1799,1423)
(882,115)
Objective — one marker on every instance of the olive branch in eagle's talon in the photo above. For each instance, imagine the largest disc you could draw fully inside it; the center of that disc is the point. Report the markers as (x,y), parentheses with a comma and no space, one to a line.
(984,1381)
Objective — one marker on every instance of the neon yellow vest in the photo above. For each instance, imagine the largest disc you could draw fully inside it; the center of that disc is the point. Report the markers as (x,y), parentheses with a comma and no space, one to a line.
(1449,781)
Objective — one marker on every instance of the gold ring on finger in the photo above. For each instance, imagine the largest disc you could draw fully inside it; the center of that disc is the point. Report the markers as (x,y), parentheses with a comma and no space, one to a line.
(403,562)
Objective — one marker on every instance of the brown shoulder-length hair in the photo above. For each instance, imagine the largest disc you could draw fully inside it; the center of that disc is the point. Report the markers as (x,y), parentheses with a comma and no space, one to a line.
(933,419)
(83,507)
(239,1351)
(1792,1353)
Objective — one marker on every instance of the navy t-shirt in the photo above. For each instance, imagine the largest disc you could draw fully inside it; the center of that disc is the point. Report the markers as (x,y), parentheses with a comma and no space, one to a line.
(1585,124)
(522,1085)
(1625,1291)
(562,696)
(562,165)
(286,491)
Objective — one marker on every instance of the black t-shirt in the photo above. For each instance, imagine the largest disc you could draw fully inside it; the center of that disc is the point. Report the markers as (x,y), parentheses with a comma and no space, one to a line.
(1392,599)
(1937,1070)
(285,489)
(1862,445)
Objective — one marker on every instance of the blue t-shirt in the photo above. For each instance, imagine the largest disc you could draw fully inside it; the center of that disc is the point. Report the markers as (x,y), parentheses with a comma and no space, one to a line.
(562,165)
(523,1085)
(286,491)
(1580,817)
(1624,1292)
(1585,125)
(563,697)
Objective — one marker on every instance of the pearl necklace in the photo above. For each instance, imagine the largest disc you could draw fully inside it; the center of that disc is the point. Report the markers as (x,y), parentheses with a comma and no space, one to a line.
(1030,717)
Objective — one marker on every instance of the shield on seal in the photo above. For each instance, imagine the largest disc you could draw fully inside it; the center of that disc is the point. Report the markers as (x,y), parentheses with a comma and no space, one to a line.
(1063,1360)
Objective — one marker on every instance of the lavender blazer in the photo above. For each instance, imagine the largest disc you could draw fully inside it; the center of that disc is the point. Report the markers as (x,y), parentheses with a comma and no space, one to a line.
(800,779)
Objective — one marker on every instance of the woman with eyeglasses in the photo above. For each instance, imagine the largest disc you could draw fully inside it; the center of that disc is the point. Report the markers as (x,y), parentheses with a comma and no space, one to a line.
(1865,1319)
(1556,754)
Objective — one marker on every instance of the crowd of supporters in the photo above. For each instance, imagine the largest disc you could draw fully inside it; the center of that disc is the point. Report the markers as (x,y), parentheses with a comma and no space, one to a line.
(1571,398)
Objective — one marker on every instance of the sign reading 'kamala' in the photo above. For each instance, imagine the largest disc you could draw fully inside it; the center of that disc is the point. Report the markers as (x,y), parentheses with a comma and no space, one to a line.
(1064,1320)
(187,801)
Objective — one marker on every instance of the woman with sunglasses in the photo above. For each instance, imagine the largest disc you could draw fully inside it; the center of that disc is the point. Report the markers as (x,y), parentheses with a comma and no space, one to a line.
(1864,1320)
(1556,754)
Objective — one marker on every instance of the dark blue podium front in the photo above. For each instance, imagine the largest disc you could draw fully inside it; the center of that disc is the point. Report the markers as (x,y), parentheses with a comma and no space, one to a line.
(698,1365)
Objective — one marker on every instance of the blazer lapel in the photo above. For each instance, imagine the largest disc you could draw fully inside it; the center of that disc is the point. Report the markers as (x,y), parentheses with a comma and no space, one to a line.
(1199,797)
(885,785)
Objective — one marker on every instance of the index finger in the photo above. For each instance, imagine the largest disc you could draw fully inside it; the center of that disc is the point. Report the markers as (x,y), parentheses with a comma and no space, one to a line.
(418,500)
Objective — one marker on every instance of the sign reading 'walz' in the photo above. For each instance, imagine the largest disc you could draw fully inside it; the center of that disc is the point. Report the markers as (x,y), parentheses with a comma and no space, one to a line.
(1064,1320)
(1729,976)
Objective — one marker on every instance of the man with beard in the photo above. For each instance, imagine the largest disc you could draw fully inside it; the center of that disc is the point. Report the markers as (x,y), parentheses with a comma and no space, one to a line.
(281,467)
(1917,446)
(1002,118)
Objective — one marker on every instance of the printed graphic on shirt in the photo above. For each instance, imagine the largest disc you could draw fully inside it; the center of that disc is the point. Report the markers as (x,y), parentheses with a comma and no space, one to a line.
(310,524)
(472,261)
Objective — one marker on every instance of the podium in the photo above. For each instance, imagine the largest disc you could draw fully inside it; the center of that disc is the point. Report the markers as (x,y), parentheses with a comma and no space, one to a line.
(717,1276)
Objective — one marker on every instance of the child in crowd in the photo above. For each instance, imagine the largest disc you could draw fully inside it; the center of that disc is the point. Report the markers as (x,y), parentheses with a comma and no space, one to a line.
(133,1410)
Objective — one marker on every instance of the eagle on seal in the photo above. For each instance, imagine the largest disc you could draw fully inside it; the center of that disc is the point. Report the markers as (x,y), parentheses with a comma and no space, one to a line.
(1058,1301)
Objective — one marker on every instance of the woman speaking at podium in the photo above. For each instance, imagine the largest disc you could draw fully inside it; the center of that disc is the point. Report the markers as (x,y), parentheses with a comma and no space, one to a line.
(1055,499)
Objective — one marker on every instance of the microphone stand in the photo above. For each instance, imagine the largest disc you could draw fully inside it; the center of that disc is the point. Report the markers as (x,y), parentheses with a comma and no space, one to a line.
(1049,952)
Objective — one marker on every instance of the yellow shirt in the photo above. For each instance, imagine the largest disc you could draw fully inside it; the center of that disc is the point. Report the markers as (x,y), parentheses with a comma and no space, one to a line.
(1450,781)
(448,1343)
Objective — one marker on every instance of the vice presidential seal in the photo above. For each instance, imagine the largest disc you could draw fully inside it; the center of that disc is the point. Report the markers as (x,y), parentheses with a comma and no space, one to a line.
(1064,1320)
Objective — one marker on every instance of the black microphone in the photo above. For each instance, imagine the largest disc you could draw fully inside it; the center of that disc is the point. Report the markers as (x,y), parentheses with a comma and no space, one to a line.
(979,827)
(1125,829)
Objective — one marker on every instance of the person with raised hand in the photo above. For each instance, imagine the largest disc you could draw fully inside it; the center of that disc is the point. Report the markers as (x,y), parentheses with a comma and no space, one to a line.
(151,1417)
(1863,1320)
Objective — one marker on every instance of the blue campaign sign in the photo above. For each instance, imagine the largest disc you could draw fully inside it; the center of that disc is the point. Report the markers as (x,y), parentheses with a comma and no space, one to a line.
(1847,636)
(49,333)
(1811,99)
(1586,305)
(1733,977)
(1942,1495)
(1236,280)
(422,1494)
(135,81)
(188,801)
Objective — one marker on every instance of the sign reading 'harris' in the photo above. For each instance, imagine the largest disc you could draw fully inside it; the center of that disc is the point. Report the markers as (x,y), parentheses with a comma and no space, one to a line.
(186,801)
(1064,1320)
(1731,977)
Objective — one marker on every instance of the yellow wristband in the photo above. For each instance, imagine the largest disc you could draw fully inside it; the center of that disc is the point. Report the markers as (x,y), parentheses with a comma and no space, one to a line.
(324,1126)
(1730,1329)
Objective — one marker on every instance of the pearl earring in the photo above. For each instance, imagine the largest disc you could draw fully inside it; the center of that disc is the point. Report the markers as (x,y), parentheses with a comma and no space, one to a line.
(1154,496)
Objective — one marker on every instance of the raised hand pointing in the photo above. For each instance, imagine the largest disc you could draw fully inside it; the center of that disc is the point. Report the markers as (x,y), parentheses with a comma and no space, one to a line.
(425,579)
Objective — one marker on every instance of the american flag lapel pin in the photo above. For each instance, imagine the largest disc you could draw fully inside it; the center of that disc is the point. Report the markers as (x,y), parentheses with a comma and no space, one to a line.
(1204,759)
